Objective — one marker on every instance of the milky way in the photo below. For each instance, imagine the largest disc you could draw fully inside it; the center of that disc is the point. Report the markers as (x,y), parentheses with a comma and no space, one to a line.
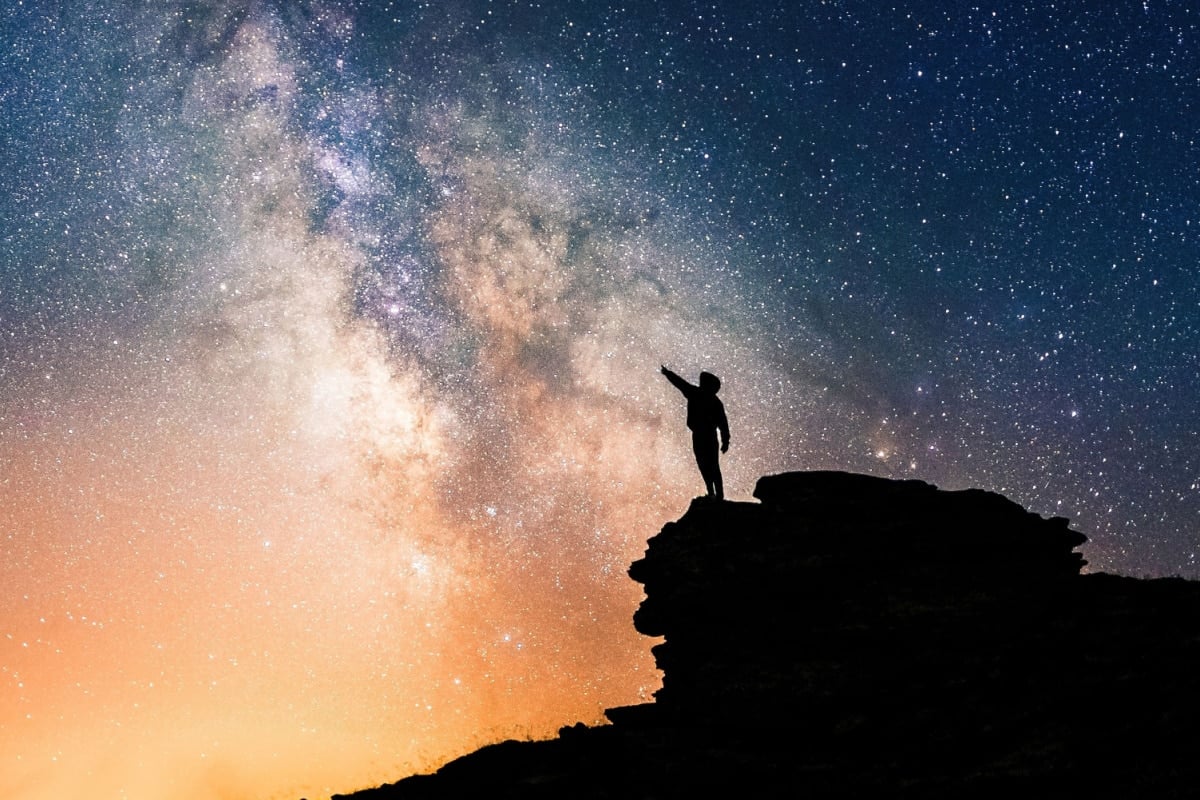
(330,413)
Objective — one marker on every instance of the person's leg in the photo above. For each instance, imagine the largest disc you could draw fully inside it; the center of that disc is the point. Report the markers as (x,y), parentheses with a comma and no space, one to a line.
(705,448)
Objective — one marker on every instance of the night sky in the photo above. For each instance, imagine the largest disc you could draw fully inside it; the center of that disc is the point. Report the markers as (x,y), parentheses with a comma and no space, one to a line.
(330,334)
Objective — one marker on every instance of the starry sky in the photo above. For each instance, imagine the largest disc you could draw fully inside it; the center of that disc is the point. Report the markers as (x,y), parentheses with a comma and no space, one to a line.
(330,412)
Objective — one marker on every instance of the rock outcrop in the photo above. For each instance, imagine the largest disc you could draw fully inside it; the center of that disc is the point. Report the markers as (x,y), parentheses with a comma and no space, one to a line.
(851,636)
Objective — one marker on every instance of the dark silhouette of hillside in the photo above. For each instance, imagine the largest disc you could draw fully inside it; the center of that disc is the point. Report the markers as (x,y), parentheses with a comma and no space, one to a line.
(853,636)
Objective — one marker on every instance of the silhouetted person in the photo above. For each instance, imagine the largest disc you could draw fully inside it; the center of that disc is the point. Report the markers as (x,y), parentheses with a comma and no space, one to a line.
(706,417)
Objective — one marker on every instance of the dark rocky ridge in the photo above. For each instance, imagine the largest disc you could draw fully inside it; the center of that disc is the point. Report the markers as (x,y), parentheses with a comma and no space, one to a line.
(853,636)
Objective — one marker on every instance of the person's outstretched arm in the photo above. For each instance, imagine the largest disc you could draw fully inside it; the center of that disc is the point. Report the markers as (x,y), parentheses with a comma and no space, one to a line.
(678,382)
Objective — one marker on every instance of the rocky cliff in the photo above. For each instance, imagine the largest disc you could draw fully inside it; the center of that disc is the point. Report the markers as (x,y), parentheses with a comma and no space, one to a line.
(850,635)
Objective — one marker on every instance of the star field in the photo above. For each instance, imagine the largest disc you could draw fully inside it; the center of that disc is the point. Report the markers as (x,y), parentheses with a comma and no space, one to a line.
(330,411)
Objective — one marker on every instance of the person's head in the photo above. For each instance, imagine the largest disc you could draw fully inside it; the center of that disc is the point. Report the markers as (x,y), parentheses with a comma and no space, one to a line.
(709,382)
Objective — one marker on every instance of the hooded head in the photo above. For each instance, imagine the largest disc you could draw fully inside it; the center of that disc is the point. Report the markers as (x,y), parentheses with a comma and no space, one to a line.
(709,382)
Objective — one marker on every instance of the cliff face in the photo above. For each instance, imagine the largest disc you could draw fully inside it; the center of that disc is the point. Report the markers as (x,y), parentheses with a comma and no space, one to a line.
(842,592)
(852,635)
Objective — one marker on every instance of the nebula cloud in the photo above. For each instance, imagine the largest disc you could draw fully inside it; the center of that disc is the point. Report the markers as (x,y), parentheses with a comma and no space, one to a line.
(337,505)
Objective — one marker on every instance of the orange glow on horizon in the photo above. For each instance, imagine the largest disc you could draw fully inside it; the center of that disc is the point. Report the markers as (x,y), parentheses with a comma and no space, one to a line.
(250,611)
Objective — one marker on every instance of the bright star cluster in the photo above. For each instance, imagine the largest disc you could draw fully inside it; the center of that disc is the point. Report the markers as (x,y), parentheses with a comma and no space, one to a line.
(330,411)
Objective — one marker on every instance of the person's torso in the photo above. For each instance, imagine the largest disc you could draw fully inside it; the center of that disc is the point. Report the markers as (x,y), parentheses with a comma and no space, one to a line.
(704,412)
